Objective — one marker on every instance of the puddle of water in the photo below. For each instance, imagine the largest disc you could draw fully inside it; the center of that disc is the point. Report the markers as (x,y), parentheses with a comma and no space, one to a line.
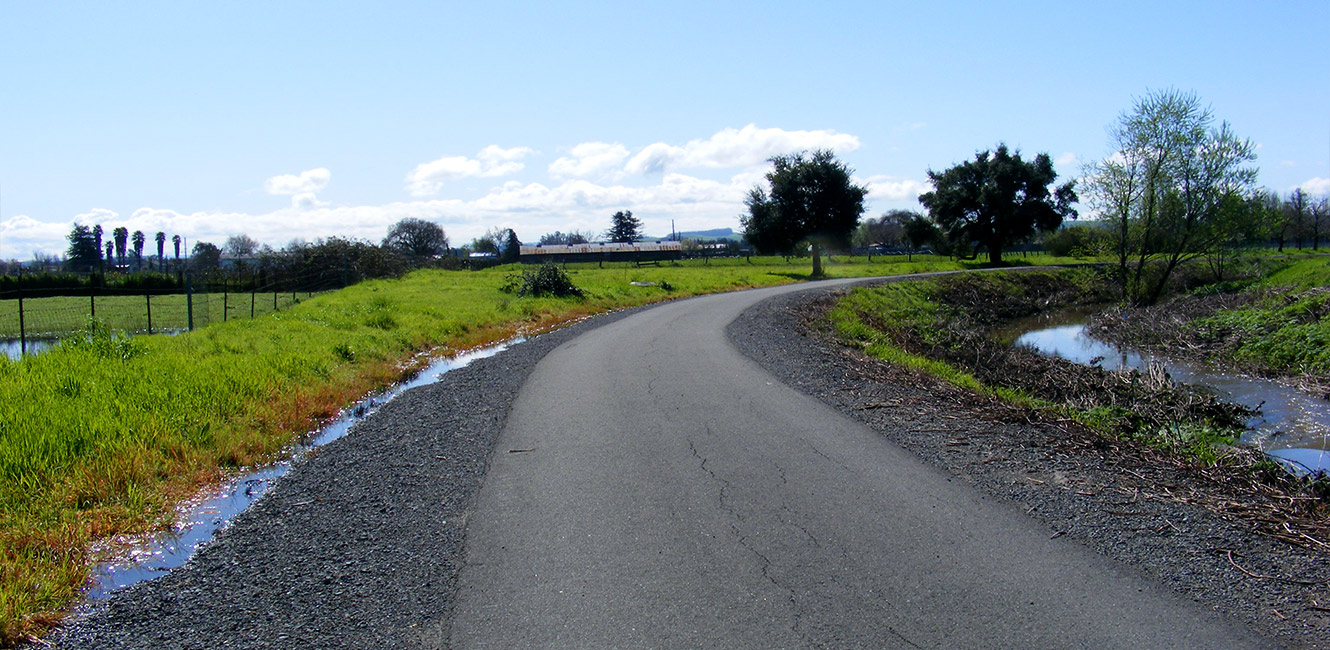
(203,520)
(1292,426)
(13,348)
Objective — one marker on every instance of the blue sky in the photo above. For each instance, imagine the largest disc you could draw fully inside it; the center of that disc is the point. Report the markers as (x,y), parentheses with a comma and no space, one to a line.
(299,120)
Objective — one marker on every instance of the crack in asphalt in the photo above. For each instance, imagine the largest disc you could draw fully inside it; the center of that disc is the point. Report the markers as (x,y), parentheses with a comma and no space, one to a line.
(796,624)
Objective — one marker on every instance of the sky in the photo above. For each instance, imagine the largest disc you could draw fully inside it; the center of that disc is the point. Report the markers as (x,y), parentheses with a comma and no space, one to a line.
(291,121)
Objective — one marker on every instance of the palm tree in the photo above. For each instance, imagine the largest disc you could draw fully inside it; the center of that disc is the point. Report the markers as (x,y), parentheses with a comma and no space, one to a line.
(160,238)
(138,239)
(97,234)
(175,239)
(121,235)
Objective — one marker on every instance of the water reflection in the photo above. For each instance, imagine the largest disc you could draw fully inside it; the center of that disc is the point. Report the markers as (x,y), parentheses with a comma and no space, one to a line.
(152,558)
(1291,425)
(13,348)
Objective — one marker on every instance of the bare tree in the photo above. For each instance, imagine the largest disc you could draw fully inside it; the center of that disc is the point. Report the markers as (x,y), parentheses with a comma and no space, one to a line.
(238,246)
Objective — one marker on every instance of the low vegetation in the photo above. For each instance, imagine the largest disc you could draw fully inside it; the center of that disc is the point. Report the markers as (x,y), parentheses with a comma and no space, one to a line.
(948,328)
(1276,326)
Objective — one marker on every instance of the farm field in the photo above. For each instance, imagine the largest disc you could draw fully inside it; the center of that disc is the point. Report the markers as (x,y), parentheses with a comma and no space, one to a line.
(54,316)
(102,435)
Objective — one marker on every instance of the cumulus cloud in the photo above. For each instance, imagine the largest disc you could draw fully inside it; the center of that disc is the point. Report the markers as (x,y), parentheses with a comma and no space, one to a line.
(307,182)
(731,147)
(492,161)
(589,159)
(1067,160)
(302,187)
(893,188)
(23,236)
(1316,186)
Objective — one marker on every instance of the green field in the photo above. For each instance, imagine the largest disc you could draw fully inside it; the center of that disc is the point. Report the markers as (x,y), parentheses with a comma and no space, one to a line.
(103,434)
(56,316)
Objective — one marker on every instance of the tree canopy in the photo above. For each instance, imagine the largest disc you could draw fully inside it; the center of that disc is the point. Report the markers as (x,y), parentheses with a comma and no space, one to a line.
(624,228)
(998,199)
(416,238)
(812,199)
(1167,187)
(84,253)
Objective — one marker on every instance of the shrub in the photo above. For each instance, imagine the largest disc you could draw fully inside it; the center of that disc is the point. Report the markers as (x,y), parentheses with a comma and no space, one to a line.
(545,280)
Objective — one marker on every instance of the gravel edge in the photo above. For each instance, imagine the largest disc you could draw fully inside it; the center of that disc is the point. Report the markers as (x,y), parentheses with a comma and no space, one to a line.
(1117,498)
(358,545)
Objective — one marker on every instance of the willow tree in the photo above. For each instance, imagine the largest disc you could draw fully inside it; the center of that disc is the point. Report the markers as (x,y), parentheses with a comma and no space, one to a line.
(1168,188)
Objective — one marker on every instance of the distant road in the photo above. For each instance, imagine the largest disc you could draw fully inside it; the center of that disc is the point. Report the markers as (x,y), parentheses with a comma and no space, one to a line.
(653,488)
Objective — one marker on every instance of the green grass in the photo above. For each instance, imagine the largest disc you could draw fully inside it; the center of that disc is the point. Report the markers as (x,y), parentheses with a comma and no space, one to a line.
(59,315)
(1287,329)
(881,319)
(102,435)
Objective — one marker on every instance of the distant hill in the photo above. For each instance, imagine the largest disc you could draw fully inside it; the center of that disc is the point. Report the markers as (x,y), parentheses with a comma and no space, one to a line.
(703,235)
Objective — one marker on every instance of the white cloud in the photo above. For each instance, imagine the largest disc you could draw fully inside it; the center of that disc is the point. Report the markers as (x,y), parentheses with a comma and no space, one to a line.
(24,237)
(893,188)
(1067,160)
(732,148)
(1316,186)
(95,216)
(492,161)
(589,159)
(307,182)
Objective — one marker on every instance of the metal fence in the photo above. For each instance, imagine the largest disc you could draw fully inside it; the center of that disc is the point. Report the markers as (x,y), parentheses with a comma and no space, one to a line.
(33,318)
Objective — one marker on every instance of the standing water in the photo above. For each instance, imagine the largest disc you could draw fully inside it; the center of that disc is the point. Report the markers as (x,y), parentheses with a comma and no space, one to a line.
(154,557)
(1290,426)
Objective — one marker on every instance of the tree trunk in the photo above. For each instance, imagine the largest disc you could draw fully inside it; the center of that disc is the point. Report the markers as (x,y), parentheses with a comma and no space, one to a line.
(994,254)
(817,260)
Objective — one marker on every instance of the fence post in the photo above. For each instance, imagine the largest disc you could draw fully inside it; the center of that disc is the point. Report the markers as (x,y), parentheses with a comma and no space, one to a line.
(253,293)
(92,300)
(22,325)
(147,297)
(225,298)
(189,300)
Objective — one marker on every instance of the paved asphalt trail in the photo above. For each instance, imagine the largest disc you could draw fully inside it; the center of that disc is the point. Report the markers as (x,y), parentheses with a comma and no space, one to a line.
(654,488)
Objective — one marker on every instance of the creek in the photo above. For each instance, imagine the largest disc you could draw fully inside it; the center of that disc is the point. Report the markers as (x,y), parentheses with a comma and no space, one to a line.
(201,519)
(1290,426)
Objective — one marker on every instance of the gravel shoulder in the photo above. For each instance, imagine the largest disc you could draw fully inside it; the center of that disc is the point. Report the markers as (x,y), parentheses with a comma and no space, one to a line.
(1117,498)
(360,543)
(357,546)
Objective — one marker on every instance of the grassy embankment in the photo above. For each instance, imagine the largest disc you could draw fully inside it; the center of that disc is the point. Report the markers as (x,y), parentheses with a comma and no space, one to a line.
(101,438)
(1283,330)
(945,327)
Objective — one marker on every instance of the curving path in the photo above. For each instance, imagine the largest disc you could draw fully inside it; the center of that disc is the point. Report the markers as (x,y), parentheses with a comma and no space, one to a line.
(652,487)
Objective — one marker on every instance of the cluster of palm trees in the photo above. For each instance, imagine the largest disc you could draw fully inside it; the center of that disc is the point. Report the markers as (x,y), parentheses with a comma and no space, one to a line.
(118,249)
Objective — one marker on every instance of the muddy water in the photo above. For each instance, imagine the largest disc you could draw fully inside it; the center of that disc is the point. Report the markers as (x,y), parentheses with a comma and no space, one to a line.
(1291,426)
(201,520)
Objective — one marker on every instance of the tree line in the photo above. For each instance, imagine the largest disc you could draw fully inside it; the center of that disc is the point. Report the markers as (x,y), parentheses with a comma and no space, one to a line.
(1178,186)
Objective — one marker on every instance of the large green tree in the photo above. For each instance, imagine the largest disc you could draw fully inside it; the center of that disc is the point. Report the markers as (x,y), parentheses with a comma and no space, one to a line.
(1168,188)
(998,199)
(812,199)
(416,238)
(84,253)
(624,228)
